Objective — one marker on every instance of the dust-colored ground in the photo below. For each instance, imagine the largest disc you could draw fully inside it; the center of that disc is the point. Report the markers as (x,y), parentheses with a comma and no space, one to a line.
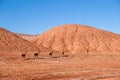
(85,66)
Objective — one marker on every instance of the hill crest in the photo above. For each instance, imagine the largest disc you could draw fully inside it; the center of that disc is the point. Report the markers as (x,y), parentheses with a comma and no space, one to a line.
(78,38)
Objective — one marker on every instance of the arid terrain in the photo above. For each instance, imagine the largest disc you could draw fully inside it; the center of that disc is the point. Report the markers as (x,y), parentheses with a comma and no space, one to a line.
(86,66)
(89,54)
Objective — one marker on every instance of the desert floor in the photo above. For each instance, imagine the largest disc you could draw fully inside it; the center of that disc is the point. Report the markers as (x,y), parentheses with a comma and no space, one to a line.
(83,66)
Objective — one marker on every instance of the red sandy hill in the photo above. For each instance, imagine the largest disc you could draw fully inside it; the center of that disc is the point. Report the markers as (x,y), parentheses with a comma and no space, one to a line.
(11,42)
(77,38)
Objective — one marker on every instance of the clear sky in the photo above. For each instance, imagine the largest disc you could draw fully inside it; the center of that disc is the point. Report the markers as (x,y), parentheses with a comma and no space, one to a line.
(37,16)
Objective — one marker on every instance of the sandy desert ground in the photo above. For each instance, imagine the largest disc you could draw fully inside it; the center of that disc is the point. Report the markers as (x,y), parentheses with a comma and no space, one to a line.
(82,66)
(86,55)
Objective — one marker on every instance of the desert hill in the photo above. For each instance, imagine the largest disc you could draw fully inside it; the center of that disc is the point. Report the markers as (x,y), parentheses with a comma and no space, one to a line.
(78,38)
(12,42)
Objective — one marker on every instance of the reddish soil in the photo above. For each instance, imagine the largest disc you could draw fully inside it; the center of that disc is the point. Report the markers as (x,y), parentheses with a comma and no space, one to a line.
(86,66)
(90,54)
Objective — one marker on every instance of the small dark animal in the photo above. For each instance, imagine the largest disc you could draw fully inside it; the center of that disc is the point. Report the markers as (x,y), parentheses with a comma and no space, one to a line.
(87,50)
(23,55)
(62,53)
(51,53)
(36,55)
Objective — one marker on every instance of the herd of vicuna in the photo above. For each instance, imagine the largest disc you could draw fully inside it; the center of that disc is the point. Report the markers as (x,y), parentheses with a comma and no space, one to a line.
(37,54)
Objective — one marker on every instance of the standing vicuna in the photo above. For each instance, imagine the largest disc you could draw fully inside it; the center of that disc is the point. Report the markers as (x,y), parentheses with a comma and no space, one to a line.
(24,55)
(62,52)
(51,53)
(36,54)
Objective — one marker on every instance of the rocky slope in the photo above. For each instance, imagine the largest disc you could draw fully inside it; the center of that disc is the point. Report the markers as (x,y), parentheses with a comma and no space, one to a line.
(12,42)
(78,38)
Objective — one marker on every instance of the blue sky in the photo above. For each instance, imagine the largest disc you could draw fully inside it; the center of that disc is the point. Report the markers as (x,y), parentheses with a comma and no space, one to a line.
(37,16)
